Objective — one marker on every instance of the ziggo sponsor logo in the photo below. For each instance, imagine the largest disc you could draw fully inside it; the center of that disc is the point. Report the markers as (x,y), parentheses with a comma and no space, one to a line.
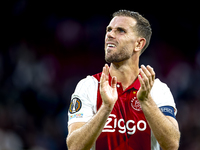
(112,125)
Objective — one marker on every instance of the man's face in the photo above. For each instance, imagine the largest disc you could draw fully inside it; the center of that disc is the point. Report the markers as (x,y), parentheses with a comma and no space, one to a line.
(120,39)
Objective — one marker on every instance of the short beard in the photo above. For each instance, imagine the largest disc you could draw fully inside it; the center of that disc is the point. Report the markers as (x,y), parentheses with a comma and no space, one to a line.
(117,57)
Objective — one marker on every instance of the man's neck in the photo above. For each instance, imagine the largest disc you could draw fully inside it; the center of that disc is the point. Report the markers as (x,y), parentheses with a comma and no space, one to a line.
(125,73)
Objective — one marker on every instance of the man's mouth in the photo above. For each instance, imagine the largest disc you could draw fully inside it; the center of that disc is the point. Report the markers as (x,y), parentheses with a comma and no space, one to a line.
(111,45)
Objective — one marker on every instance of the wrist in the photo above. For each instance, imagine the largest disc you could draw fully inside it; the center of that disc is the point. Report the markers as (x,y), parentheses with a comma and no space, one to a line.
(147,102)
(107,107)
(145,98)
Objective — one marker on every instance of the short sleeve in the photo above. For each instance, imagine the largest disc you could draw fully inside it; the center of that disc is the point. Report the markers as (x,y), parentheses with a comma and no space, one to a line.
(83,101)
(162,95)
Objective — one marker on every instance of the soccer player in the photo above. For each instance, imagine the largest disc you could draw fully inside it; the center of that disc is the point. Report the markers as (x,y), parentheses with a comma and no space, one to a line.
(124,107)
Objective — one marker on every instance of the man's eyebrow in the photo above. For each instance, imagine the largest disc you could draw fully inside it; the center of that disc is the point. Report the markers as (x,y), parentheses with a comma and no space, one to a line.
(118,28)
(121,28)
(108,27)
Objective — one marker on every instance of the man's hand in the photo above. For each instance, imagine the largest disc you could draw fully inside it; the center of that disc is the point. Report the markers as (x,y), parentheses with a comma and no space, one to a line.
(146,79)
(164,128)
(83,135)
(108,92)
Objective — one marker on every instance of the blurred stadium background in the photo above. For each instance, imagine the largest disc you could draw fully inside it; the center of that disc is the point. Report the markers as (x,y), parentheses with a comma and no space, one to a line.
(48,46)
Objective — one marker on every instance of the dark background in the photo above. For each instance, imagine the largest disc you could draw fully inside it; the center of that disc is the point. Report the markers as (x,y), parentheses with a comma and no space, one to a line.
(48,46)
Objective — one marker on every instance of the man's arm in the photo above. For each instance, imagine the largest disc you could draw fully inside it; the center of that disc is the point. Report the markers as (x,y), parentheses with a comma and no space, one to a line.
(165,128)
(83,135)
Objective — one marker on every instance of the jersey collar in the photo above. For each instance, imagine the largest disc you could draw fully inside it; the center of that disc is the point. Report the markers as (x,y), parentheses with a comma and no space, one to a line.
(135,84)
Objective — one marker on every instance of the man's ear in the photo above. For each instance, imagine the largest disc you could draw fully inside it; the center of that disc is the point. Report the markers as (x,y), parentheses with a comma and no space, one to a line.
(140,44)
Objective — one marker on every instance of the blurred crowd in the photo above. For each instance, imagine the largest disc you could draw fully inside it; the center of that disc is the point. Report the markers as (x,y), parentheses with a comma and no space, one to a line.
(45,53)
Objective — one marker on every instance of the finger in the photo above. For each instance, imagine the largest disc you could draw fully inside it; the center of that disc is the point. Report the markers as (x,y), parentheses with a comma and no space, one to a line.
(107,71)
(142,85)
(151,70)
(150,79)
(102,79)
(105,74)
(146,71)
(107,68)
(144,78)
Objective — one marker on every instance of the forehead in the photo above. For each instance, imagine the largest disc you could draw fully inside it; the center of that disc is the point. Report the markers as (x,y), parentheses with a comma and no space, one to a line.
(122,21)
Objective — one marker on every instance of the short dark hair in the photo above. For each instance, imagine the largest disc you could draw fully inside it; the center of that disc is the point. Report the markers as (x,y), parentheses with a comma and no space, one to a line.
(143,26)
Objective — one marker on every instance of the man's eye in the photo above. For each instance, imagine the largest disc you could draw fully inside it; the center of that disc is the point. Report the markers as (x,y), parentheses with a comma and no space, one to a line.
(109,29)
(121,30)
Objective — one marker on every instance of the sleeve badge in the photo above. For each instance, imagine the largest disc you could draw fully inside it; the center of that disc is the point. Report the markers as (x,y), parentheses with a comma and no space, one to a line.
(75,105)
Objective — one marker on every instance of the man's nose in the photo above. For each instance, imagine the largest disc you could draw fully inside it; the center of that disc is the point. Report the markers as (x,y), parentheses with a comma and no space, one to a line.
(111,34)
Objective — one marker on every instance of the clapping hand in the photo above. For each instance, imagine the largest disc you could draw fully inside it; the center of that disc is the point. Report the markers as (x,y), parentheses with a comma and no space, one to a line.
(108,92)
(146,78)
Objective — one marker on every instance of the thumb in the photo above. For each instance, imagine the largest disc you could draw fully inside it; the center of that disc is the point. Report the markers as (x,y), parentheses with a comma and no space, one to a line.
(114,82)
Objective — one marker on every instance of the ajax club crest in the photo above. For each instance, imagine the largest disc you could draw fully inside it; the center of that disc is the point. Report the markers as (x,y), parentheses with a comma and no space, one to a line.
(135,104)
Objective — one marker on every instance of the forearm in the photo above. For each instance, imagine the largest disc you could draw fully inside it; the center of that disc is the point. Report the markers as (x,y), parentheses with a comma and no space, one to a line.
(85,137)
(164,130)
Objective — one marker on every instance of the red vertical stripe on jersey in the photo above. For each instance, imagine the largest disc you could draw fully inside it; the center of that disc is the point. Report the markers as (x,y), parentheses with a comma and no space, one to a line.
(126,128)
